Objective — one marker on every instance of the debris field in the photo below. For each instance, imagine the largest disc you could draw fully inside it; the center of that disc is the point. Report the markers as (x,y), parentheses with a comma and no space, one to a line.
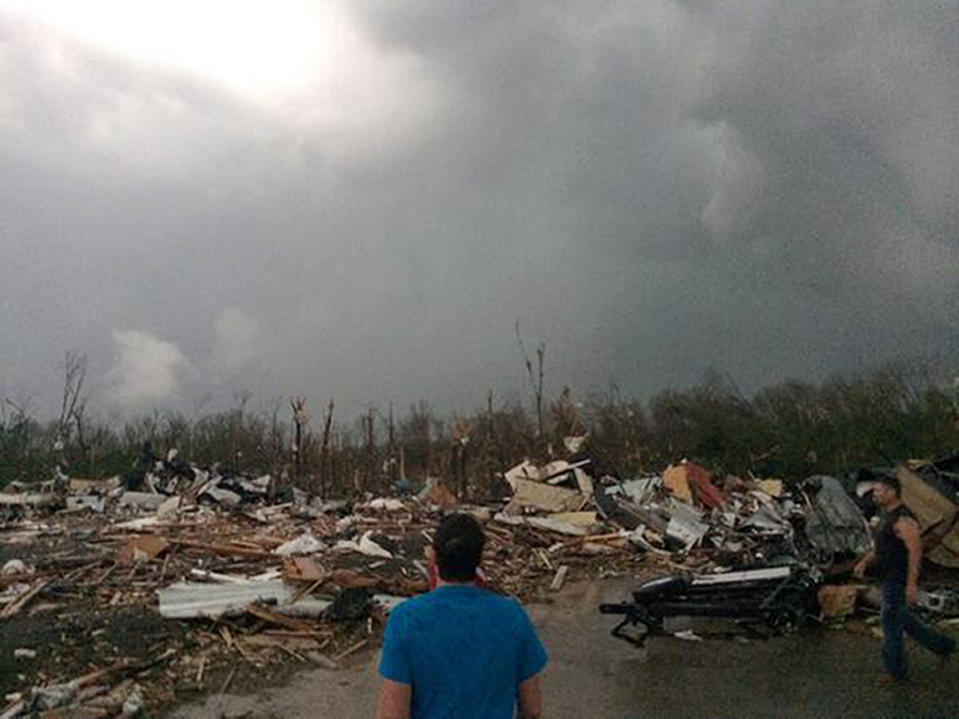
(122,598)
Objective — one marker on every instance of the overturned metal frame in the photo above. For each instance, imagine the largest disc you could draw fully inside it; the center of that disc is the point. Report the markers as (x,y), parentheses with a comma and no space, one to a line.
(775,598)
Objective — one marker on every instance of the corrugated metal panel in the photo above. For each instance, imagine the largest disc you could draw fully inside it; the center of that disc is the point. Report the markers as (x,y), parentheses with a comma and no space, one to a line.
(188,600)
(191,599)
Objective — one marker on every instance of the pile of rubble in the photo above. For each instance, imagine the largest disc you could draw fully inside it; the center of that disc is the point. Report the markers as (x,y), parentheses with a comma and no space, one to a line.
(261,585)
(157,487)
(120,596)
(685,516)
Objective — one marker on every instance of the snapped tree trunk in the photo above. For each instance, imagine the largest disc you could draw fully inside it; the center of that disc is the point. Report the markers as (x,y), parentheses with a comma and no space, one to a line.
(326,465)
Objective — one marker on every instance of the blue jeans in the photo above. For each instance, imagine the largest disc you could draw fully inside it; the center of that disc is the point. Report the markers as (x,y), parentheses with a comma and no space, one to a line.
(896,619)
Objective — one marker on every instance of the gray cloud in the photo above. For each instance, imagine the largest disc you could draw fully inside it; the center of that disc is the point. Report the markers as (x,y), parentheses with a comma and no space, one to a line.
(237,340)
(652,189)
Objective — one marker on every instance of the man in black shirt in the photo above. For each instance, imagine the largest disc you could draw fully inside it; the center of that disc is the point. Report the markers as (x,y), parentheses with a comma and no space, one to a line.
(897,555)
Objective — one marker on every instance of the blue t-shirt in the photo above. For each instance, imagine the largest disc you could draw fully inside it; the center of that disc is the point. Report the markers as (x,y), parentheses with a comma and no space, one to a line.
(464,651)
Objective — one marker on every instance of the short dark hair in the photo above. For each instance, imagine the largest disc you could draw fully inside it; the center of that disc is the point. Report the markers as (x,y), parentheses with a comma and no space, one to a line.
(458,544)
(892,482)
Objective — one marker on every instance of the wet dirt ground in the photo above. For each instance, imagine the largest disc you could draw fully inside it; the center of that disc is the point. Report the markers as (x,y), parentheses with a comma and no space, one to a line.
(816,673)
(70,632)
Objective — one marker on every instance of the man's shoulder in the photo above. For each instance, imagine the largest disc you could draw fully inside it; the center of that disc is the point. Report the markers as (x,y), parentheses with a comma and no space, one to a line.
(905,518)
(504,609)
(902,512)
(411,606)
(488,601)
(506,604)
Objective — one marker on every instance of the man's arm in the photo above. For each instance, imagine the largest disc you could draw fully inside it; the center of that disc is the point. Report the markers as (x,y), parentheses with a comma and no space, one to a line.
(531,698)
(394,700)
(860,569)
(908,531)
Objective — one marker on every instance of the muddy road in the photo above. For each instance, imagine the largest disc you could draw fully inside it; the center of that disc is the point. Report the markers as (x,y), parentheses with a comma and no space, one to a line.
(819,673)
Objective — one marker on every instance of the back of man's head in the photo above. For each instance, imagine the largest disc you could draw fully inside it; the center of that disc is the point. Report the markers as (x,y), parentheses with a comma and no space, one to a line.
(458,544)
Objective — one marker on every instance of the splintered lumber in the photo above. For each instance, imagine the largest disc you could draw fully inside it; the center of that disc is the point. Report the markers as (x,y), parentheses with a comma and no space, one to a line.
(323,660)
(20,602)
(314,634)
(305,589)
(228,680)
(560,577)
(351,650)
(594,539)
(222,549)
(282,620)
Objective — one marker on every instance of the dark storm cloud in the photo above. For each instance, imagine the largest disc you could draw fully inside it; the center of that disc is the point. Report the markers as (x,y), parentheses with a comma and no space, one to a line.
(652,189)
(845,116)
(779,172)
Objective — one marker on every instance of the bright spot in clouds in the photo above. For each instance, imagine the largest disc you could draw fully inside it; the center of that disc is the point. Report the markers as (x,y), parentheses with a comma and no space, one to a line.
(145,370)
(270,50)
(302,64)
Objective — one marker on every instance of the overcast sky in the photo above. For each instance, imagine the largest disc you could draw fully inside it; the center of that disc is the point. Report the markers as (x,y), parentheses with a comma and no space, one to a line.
(359,199)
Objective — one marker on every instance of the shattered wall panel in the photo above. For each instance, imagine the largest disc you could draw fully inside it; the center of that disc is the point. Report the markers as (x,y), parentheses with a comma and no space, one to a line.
(930,508)
(546,498)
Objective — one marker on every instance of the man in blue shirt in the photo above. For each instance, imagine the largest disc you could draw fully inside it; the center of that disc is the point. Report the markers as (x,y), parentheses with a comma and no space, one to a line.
(460,652)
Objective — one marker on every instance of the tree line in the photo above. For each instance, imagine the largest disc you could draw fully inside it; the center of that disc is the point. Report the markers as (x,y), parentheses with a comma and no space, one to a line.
(789,430)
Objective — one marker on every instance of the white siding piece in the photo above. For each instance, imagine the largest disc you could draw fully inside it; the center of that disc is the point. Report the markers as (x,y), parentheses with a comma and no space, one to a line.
(188,600)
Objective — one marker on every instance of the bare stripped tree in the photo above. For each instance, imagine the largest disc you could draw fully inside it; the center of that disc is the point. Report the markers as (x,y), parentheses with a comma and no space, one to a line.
(72,405)
(369,451)
(300,418)
(535,381)
(326,464)
(392,464)
(237,421)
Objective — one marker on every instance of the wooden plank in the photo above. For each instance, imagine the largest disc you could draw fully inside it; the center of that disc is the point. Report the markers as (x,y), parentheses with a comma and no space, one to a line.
(560,577)
(222,549)
(279,619)
(20,602)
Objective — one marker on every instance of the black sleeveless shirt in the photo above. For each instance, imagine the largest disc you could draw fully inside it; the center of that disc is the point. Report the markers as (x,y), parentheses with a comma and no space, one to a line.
(892,557)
